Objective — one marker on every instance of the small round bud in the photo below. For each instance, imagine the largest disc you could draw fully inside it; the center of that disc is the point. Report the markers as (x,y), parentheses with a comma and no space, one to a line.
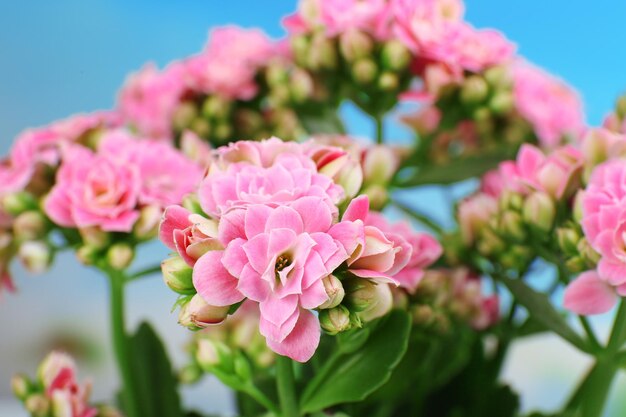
(300,85)
(378,196)
(383,303)
(276,74)
(120,256)
(184,115)
(539,211)
(35,255)
(197,314)
(178,275)
(360,294)
(88,255)
(37,405)
(334,290)
(587,253)
(201,127)
(355,44)
(512,226)
(335,320)
(216,107)
(501,103)
(213,353)
(474,90)
(300,48)
(191,203)
(223,131)
(364,71)
(20,386)
(30,225)
(17,203)
(576,264)
(95,237)
(498,77)
(395,56)
(190,374)
(568,239)
(388,81)
(147,226)
(620,107)
(578,206)
(322,53)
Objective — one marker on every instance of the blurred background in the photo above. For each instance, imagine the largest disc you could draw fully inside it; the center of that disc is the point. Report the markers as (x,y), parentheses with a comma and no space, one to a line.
(68,56)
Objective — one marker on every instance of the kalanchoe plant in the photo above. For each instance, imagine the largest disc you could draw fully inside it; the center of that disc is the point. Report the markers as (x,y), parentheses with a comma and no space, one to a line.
(305,296)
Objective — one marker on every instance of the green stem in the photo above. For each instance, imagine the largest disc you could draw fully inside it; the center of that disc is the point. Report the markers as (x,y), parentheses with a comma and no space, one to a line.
(286,385)
(618,335)
(420,217)
(590,333)
(144,272)
(379,129)
(261,398)
(120,343)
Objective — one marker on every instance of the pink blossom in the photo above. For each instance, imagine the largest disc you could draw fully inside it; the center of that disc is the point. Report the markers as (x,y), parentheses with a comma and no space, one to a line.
(557,174)
(94,190)
(474,213)
(371,16)
(166,174)
(278,257)
(149,99)
(58,376)
(590,294)
(604,220)
(600,144)
(551,106)
(422,249)
(228,65)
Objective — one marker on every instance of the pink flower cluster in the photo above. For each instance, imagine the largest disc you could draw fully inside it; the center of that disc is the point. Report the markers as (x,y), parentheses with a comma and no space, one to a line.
(106,188)
(604,224)
(57,374)
(271,231)
(551,106)
(227,67)
(37,148)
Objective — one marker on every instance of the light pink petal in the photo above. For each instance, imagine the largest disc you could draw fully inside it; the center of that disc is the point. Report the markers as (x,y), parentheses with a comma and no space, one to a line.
(57,207)
(302,342)
(252,285)
(315,214)
(314,296)
(351,235)
(357,209)
(213,282)
(174,218)
(374,276)
(234,258)
(588,294)
(255,219)
(231,226)
(257,252)
(278,316)
(613,271)
(285,217)
(122,223)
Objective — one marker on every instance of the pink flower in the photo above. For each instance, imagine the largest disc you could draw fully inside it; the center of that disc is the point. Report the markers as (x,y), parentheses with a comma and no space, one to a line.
(471,49)
(150,97)
(58,376)
(166,174)
(590,294)
(557,174)
(421,248)
(191,235)
(278,257)
(600,144)
(228,65)
(94,190)
(371,16)
(552,107)
(423,24)
(474,213)
(604,220)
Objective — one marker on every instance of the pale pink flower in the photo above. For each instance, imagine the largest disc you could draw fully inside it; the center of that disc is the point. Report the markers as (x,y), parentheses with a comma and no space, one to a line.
(590,294)
(371,16)
(557,174)
(423,250)
(600,144)
(474,213)
(278,257)
(604,220)
(230,61)
(57,374)
(166,174)
(551,106)
(149,99)
(94,190)
(422,25)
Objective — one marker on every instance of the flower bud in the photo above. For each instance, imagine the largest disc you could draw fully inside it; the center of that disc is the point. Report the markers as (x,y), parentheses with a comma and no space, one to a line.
(379,165)
(512,226)
(360,294)
(354,45)
(248,121)
(501,102)
(300,85)
(335,320)
(17,203)
(334,290)
(200,127)
(378,196)
(587,253)
(37,405)
(423,314)
(213,353)
(510,200)
(178,275)
(191,203)
(35,255)
(539,211)
(88,255)
(576,264)
(30,225)
(498,77)
(474,90)
(620,107)
(95,237)
(568,240)
(383,303)
(300,48)
(184,115)
(20,386)
(578,206)
(242,367)
(395,56)
(120,256)
(216,107)
(190,374)
(147,226)
(388,81)
(276,74)
(223,131)
(322,53)
(197,314)
(364,71)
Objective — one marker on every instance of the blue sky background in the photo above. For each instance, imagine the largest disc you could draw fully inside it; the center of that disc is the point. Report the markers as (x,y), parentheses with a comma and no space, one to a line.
(65,56)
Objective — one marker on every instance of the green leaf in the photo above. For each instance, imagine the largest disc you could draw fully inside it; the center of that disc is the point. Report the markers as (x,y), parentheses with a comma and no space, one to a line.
(349,377)
(457,170)
(541,309)
(156,385)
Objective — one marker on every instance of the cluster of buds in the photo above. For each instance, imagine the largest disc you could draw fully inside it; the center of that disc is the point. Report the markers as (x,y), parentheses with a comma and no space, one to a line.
(242,85)
(448,296)
(502,107)
(56,391)
(616,120)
